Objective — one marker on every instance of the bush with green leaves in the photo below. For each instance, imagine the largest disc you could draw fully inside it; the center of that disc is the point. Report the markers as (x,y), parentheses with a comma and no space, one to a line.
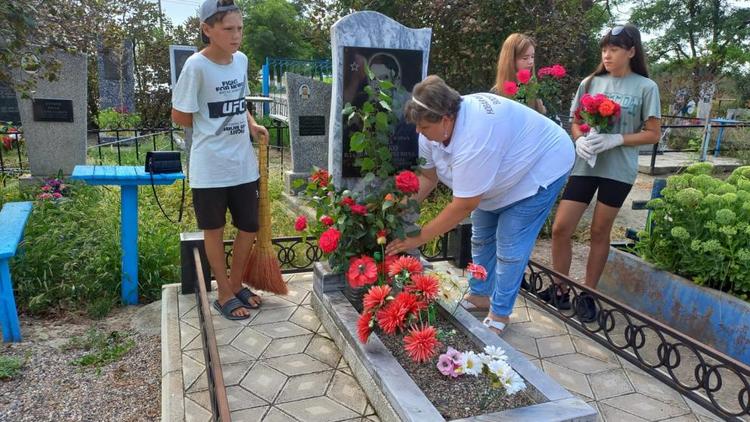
(701,229)
(117,118)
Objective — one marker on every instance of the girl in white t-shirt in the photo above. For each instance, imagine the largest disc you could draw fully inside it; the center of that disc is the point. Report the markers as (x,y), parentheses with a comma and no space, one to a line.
(505,164)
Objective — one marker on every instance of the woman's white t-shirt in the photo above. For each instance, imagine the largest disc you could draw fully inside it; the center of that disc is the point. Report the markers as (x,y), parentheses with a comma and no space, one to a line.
(214,93)
(500,150)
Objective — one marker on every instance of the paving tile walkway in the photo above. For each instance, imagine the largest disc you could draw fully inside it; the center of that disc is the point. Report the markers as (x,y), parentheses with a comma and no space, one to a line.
(280,365)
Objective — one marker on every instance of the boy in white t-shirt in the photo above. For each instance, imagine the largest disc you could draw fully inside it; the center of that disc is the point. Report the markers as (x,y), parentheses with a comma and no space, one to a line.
(223,172)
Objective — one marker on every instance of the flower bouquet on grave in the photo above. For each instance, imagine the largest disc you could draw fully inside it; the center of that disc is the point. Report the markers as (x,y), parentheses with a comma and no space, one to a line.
(492,362)
(596,114)
(54,189)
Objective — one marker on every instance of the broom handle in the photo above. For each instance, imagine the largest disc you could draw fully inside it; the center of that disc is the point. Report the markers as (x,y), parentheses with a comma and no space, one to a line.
(264,206)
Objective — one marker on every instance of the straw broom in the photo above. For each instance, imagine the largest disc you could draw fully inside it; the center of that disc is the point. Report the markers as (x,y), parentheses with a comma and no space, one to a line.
(262,270)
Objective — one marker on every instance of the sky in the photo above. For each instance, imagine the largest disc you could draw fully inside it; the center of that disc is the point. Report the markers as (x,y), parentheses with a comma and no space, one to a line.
(179,10)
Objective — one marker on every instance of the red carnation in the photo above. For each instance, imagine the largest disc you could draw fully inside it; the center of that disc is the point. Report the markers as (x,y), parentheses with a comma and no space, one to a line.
(326,220)
(301,223)
(421,343)
(390,318)
(510,88)
(376,297)
(406,265)
(408,304)
(321,178)
(329,240)
(362,271)
(364,327)
(407,182)
(348,201)
(523,76)
(426,286)
(359,209)
(477,271)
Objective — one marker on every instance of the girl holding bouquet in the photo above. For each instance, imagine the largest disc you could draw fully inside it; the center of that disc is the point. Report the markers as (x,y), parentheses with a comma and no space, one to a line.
(505,164)
(622,76)
(516,54)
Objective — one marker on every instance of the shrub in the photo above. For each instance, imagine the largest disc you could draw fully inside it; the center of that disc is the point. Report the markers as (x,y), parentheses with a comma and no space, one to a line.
(700,229)
(112,118)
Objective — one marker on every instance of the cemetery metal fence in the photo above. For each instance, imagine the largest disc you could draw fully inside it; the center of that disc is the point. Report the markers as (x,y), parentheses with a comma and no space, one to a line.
(14,159)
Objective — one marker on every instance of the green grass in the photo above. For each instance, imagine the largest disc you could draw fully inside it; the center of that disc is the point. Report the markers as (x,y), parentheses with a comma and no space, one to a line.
(103,348)
(10,366)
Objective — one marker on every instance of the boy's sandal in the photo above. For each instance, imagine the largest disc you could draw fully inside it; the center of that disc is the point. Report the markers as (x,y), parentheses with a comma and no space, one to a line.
(230,306)
(491,323)
(245,296)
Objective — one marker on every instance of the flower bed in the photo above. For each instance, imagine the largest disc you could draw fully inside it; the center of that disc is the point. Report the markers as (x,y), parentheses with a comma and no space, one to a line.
(394,393)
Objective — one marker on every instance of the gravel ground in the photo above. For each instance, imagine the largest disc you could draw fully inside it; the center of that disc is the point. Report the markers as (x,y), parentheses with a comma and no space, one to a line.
(49,388)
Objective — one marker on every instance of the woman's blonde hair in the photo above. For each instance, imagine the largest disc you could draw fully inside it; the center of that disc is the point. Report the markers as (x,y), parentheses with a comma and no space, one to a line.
(514,46)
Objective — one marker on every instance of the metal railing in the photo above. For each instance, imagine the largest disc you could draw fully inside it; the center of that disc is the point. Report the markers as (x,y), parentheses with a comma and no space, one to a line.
(707,376)
(14,159)
(128,140)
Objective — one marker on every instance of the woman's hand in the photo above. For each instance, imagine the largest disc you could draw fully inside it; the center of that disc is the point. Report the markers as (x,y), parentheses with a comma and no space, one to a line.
(400,246)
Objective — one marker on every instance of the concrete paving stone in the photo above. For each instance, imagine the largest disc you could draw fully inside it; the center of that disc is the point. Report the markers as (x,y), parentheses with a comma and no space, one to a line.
(201,384)
(234,372)
(264,381)
(195,344)
(591,348)
(683,418)
(369,410)
(221,323)
(630,367)
(520,314)
(287,346)
(229,354)
(304,282)
(305,318)
(372,418)
(610,384)
(274,302)
(346,390)
(652,387)
(324,350)
(298,364)
(305,386)
(201,398)
(613,414)
(239,398)
(521,342)
(276,415)
(555,346)
(645,407)
(193,322)
(185,303)
(195,354)
(318,409)
(225,336)
(251,342)
(520,302)
(281,329)
(191,314)
(296,294)
(267,316)
(187,334)
(195,413)
(347,370)
(539,329)
(572,380)
(536,362)
(322,332)
(541,316)
(702,413)
(256,414)
(582,363)
(191,370)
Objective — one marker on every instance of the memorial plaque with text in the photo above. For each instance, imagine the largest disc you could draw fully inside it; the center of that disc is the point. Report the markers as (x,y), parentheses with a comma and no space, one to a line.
(50,110)
(312,125)
(404,68)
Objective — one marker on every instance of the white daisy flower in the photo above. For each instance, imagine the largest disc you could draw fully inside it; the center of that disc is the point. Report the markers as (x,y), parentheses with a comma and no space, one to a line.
(500,369)
(496,352)
(514,384)
(471,364)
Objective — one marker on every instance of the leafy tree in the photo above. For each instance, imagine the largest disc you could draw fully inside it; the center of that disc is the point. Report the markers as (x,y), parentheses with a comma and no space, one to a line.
(710,38)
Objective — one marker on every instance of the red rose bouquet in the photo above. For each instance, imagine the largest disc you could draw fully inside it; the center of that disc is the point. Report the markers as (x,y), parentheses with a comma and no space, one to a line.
(544,86)
(596,114)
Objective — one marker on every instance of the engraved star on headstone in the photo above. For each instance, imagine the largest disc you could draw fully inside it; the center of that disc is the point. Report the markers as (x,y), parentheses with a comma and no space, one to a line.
(354,66)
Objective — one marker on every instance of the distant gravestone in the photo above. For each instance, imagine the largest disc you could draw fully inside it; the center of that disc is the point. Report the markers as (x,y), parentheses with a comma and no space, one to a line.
(8,104)
(309,111)
(389,49)
(116,76)
(54,119)
(178,54)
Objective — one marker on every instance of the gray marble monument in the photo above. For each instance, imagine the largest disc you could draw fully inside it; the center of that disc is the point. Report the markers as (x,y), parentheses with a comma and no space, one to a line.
(116,77)
(309,113)
(54,119)
(373,39)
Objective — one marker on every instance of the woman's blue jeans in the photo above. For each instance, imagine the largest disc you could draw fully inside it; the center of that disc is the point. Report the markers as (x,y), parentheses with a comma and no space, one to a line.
(502,241)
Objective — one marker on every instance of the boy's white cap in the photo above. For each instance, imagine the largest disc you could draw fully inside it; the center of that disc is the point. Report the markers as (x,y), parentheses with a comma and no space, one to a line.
(212,7)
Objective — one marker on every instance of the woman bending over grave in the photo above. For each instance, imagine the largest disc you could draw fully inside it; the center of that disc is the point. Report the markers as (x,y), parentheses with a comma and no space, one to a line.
(517,53)
(505,163)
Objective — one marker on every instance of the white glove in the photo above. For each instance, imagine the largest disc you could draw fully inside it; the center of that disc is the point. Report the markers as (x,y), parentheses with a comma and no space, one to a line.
(583,148)
(600,142)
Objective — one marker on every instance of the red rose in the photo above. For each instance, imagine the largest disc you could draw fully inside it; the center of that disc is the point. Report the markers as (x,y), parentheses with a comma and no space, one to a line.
(607,108)
(545,71)
(359,209)
(558,71)
(348,201)
(523,76)
(510,88)
(326,220)
(329,240)
(362,271)
(301,223)
(584,128)
(589,104)
(407,182)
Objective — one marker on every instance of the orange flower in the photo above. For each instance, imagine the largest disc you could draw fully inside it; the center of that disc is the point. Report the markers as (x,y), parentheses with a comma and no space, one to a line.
(390,197)
(607,108)
(421,343)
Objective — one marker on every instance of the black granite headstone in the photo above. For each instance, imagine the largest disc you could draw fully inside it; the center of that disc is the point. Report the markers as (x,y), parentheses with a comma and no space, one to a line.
(8,105)
(52,110)
(404,68)
(312,125)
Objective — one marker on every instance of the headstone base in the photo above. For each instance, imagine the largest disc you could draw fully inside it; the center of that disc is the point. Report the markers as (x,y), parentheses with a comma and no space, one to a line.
(290,177)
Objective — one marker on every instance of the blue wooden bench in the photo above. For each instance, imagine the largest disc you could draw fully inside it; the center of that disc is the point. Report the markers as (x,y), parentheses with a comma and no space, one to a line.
(13,217)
